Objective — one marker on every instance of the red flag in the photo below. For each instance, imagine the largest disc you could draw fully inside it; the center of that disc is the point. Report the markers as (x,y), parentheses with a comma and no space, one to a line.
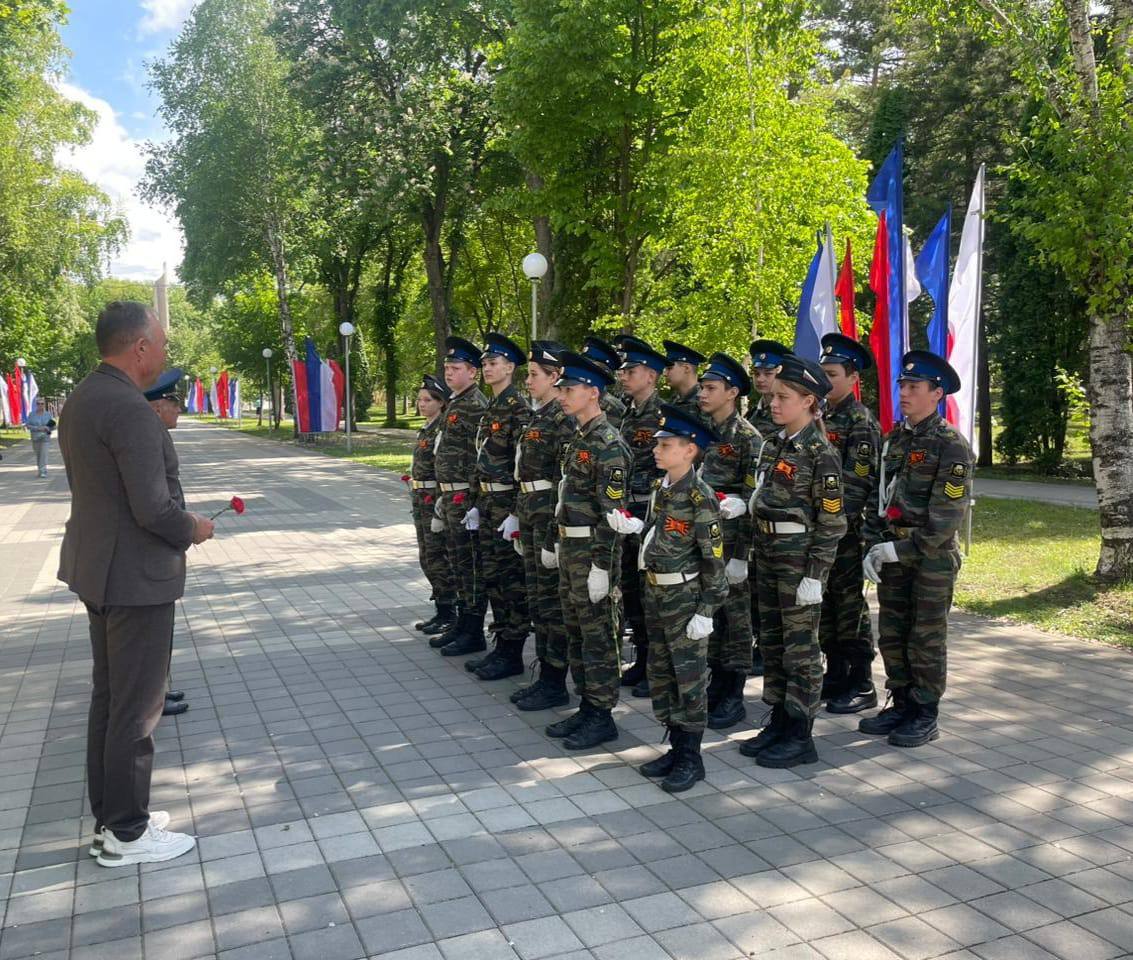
(302,396)
(879,332)
(222,395)
(844,290)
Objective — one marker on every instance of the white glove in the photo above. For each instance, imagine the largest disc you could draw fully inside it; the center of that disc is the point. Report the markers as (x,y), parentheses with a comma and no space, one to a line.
(736,571)
(732,507)
(622,524)
(509,529)
(471,520)
(809,592)
(436,524)
(438,508)
(518,545)
(879,555)
(597,584)
(549,558)
(698,627)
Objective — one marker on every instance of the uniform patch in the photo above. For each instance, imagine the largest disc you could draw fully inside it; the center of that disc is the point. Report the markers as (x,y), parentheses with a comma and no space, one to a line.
(617,475)
(784,471)
(959,470)
(642,438)
(833,436)
(673,525)
(831,504)
(954,491)
(717,540)
(830,481)
(533,435)
(915,457)
(423,444)
(615,489)
(714,529)
(726,450)
(696,496)
(496,426)
(749,480)
(452,417)
(861,469)
(583,456)
(864,449)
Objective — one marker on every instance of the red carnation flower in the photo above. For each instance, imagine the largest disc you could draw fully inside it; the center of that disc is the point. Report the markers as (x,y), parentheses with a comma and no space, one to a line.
(428,498)
(458,498)
(720,496)
(893,513)
(236,505)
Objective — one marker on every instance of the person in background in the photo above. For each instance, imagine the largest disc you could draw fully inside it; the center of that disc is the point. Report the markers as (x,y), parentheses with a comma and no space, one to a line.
(40,424)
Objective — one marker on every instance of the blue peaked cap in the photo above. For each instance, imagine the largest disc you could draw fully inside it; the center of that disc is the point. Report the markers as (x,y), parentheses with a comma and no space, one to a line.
(723,367)
(922,365)
(838,348)
(459,350)
(167,385)
(767,353)
(674,422)
(496,344)
(579,369)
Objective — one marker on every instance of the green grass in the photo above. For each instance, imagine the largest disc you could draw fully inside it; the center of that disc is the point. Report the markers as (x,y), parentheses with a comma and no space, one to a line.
(10,436)
(386,453)
(1031,563)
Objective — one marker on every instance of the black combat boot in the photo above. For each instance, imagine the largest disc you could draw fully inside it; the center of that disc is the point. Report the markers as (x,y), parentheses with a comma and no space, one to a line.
(919,726)
(567,726)
(769,735)
(472,664)
(859,694)
(716,685)
(636,674)
(795,747)
(756,659)
(174,708)
(508,661)
(448,634)
(445,618)
(890,718)
(468,640)
(689,766)
(835,677)
(597,728)
(730,710)
(662,765)
(420,624)
(550,690)
(518,694)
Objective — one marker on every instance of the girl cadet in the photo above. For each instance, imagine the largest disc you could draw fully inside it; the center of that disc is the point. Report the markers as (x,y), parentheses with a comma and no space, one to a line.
(797,520)
(538,471)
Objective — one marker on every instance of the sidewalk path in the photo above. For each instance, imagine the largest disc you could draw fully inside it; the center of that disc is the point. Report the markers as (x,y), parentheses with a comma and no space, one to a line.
(358,796)
(1066,494)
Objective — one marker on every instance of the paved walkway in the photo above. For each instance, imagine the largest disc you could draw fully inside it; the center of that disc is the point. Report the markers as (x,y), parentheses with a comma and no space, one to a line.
(1066,494)
(358,796)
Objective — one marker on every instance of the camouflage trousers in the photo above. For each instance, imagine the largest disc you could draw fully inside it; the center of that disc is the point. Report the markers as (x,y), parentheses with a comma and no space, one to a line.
(432,552)
(788,633)
(843,629)
(730,643)
(677,667)
(464,557)
(535,511)
(592,643)
(503,569)
(913,624)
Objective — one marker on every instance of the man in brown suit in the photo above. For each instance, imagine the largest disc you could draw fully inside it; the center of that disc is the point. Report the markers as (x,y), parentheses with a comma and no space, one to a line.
(124,555)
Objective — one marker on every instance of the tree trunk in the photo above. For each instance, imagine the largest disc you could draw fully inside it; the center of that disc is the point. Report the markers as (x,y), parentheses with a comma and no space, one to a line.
(435,281)
(286,327)
(1110,392)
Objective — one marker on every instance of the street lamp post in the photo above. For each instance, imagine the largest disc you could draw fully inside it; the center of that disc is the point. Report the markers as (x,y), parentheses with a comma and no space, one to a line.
(534,268)
(266,354)
(346,328)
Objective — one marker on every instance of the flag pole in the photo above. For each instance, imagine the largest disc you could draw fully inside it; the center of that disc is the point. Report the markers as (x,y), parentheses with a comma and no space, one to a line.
(833,268)
(980,177)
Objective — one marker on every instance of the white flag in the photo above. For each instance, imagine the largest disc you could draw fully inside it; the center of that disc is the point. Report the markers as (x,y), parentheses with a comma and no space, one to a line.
(964,312)
(823,306)
(329,399)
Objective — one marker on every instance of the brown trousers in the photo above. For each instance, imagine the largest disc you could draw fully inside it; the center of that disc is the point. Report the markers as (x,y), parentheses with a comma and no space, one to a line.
(130,647)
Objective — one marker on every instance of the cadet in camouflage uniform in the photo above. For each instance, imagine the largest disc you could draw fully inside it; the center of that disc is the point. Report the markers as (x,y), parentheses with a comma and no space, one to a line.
(538,472)
(912,550)
(588,552)
(729,468)
(844,630)
(798,520)
(680,371)
(455,464)
(638,374)
(682,557)
(601,353)
(502,425)
(766,355)
(431,548)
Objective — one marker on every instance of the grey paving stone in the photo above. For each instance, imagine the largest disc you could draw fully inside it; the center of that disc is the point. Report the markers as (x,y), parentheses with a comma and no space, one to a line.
(483,945)
(339,943)
(535,939)
(453,918)
(661,911)
(117,923)
(516,904)
(390,931)
(183,942)
(25,940)
(1069,941)
(603,924)
(382,896)
(700,941)
(256,925)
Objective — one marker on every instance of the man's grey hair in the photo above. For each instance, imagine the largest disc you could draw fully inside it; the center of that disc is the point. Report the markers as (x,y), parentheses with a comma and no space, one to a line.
(120,324)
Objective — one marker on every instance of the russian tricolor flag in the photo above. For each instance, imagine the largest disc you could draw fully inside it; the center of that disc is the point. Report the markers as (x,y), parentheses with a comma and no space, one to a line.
(318,392)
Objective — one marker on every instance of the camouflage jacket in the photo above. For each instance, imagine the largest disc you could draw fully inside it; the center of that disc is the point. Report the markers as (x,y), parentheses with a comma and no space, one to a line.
(612,406)
(456,442)
(759,416)
(927,477)
(682,535)
(800,481)
(539,455)
(638,428)
(729,467)
(424,450)
(501,425)
(855,434)
(688,403)
(594,467)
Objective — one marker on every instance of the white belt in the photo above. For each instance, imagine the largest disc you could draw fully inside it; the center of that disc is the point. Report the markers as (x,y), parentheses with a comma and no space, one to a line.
(424,484)
(780,527)
(575,531)
(495,487)
(670,579)
(453,487)
(534,486)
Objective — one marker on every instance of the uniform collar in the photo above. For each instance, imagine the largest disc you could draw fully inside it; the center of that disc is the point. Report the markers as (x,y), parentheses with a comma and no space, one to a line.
(589,428)
(924,426)
(680,485)
(471,386)
(637,408)
(845,403)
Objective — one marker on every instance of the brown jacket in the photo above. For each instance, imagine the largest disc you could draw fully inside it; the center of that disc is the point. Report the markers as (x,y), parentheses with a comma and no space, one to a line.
(125,541)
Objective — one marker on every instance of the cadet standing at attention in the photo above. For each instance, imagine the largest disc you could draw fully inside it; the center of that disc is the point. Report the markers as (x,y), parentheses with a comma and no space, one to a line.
(729,468)
(682,557)
(455,466)
(680,370)
(501,426)
(538,472)
(844,630)
(594,483)
(431,551)
(607,358)
(913,552)
(766,355)
(798,520)
(638,374)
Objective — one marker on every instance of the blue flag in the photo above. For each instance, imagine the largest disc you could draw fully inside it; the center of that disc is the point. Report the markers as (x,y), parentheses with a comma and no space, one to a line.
(806,340)
(886,193)
(932,271)
(314,386)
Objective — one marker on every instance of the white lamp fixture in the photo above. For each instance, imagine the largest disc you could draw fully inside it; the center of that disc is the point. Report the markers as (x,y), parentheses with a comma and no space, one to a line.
(535,266)
(266,353)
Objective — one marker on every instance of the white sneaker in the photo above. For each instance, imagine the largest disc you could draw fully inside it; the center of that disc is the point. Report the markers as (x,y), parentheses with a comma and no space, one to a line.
(153,846)
(159,818)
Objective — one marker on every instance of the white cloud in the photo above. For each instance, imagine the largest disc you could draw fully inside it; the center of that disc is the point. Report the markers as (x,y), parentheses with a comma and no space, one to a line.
(114,161)
(161,15)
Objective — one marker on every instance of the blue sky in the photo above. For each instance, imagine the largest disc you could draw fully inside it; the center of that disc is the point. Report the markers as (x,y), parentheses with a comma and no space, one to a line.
(110,41)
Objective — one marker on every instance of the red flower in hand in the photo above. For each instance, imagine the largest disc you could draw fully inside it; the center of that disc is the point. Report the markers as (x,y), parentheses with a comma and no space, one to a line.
(458,499)
(428,499)
(893,513)
(236,504)
(515,535)
(625,513)
(405,478)
(720,496)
